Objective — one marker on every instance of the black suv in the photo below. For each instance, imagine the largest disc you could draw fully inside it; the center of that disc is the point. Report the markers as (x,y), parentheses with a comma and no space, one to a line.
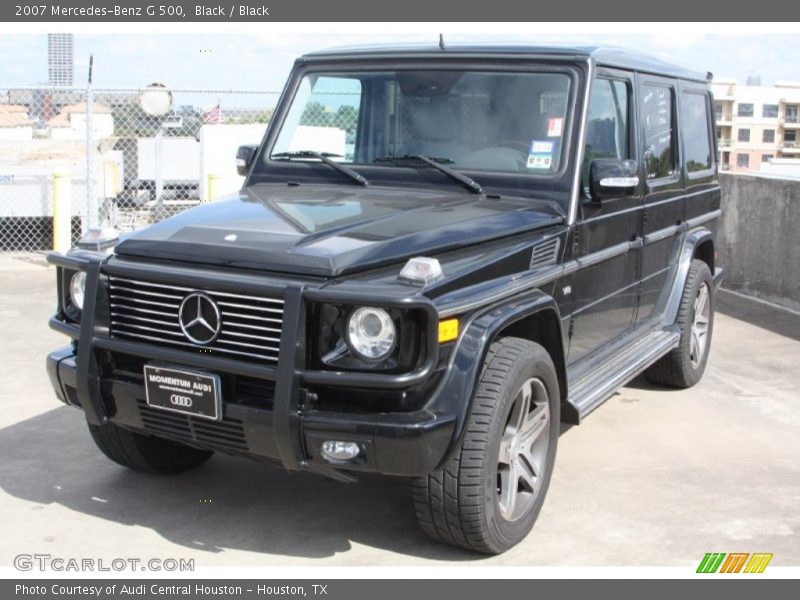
(438,254)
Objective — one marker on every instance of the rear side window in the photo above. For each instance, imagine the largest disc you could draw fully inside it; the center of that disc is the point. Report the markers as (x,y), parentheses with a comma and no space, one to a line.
(659,138)
(695,131)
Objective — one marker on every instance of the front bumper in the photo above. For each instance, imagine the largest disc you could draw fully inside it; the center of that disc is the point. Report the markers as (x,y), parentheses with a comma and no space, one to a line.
(408,444)
(266,414)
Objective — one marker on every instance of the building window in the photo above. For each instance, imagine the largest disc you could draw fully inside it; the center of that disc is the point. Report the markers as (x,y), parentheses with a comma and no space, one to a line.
(745,110)
(789,138)
(743,160)
(744,135)
(718,111)
(790,113)
(768,137)
(766,157)
(770,111)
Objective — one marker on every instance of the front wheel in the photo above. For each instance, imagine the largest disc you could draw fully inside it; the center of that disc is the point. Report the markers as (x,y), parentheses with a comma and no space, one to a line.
(489,494)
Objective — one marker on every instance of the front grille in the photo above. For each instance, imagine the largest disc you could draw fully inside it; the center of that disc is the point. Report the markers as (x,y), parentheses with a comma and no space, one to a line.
(250,325)
(228,433)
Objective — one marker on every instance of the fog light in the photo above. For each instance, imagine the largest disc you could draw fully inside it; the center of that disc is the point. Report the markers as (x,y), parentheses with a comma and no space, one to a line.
(337,450)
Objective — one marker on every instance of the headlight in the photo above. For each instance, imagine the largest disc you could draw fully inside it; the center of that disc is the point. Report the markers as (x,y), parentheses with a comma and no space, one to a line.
(371,333)
(77,289)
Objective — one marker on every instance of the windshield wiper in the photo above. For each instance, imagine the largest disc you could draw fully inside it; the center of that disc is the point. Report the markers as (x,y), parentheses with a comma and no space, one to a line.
(324,157)
(469,183)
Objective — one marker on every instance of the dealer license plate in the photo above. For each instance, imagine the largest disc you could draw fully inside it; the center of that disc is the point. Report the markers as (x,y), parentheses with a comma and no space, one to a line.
(186,392)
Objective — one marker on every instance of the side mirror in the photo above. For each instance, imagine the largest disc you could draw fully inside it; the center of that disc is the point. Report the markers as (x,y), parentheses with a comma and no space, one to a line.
(613,178)
(244,158)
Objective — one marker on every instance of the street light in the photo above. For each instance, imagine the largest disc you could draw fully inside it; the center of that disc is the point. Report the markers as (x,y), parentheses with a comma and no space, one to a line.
(156,101)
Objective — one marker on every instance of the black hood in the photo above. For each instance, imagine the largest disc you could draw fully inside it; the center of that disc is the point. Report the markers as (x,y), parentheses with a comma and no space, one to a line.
(331,230)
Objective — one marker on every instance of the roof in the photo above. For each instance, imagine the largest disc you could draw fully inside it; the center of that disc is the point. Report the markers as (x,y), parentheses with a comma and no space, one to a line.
(601,55)
(62,118)
(14,115)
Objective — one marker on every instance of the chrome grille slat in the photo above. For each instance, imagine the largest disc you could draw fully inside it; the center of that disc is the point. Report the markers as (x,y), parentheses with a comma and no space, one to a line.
(225,313)
(147,311)
(143,319)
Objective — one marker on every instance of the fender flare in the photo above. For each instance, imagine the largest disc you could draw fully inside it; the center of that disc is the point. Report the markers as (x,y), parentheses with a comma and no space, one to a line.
(693,239)
(455,392)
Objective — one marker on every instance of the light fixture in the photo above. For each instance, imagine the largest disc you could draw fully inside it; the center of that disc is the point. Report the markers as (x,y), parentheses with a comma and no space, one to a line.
(156,100)
(371,333)
(421,269)
(77,289)
(99,239)
(339,451)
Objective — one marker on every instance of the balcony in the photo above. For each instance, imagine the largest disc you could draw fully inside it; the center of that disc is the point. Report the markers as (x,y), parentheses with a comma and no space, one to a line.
(790,147)
(723,142)
(790,121)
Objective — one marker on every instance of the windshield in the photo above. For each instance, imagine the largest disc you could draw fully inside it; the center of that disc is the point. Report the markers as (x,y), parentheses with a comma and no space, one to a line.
(468,120)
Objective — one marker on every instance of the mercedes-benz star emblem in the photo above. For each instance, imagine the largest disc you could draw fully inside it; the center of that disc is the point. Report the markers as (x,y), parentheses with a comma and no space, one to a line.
(199,318)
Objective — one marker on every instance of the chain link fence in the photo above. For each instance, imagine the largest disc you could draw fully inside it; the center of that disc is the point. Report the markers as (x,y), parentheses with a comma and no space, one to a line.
(125,167)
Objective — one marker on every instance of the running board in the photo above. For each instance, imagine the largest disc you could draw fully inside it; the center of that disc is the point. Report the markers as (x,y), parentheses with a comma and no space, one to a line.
(596,386)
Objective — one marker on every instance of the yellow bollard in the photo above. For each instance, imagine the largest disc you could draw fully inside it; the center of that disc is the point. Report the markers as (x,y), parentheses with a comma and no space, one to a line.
(62,212)
(212,186)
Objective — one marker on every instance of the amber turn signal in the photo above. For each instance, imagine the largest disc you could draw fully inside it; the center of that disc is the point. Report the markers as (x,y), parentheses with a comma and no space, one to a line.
(448,330)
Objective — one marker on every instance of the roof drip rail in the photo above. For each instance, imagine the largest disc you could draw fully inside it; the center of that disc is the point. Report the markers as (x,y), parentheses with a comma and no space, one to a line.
(441,42)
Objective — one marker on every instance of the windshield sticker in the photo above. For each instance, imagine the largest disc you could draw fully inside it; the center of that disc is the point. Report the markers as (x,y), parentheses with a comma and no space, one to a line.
(538,147)
(539,161)
(554,127)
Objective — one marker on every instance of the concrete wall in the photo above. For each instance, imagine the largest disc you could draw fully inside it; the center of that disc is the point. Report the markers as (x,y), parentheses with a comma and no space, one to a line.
(760,237)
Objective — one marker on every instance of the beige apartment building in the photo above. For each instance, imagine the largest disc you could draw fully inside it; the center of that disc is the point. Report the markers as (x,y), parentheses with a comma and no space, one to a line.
(756,124)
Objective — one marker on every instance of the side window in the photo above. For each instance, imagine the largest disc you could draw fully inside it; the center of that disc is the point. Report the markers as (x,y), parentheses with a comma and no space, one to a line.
(607,129)
(694,129)
(659,138)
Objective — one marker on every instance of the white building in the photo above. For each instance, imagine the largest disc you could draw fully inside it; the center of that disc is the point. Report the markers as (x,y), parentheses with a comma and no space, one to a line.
(756,124)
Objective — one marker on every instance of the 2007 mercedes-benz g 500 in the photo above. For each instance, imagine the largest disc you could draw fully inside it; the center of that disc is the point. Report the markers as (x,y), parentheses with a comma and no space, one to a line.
(437,255)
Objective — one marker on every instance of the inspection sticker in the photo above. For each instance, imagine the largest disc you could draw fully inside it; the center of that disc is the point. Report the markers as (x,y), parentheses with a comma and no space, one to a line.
(538,147)
(539,161)
(554,127)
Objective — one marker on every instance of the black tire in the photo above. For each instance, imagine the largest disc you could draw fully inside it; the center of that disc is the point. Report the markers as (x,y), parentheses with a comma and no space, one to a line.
(145,453)
(680,368)
(460,504)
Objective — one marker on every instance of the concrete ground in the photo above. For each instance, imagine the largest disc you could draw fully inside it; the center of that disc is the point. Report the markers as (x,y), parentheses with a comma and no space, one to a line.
(654,477)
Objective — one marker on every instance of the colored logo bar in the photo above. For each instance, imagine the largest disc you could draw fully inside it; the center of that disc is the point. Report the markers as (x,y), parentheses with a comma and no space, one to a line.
(734,562)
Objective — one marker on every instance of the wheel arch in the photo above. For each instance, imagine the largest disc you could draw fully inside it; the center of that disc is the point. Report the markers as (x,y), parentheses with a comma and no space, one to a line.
(533,316)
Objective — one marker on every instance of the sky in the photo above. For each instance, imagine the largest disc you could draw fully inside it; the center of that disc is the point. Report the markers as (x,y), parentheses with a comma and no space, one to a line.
(255,61)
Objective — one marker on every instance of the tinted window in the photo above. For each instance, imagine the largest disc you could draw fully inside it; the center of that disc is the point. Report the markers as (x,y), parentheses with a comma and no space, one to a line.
(607,133)
(694,128)
(656,113)
(744,135)
(745,110)
(770,111)
(769,136)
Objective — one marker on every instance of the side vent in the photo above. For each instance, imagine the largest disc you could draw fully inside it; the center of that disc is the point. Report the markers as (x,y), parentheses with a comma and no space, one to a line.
(544,253)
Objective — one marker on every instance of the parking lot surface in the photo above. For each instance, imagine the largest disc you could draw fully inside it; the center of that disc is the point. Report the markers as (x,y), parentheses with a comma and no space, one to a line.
(653,477)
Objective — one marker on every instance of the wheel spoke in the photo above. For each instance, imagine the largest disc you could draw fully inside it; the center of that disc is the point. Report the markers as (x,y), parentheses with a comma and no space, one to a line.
(526,474)
(509,484)
(504,457)
(535,423)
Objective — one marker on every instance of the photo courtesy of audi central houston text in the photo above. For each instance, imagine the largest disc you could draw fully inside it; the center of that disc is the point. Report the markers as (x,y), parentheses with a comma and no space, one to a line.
(441,256)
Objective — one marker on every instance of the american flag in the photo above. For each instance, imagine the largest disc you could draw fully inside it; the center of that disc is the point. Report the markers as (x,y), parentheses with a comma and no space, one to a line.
(213,116)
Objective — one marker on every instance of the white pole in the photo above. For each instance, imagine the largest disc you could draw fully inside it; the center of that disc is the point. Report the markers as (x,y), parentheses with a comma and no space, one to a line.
(90,219)
(159,171)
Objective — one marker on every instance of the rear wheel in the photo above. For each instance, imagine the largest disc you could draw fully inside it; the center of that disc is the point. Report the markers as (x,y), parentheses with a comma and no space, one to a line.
(491,491)
(684,365)
(145,453)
